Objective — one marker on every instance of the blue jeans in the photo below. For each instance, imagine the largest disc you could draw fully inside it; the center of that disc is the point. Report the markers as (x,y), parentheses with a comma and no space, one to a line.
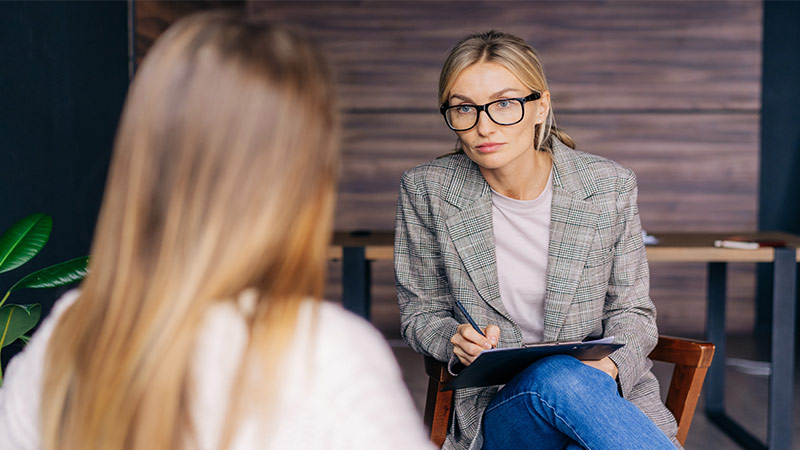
(560,403)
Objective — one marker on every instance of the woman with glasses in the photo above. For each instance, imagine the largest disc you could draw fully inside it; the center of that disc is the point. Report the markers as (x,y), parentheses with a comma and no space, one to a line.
(539,242)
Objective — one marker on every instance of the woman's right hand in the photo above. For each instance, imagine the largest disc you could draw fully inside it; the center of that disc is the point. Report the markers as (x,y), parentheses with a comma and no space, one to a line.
(468,343)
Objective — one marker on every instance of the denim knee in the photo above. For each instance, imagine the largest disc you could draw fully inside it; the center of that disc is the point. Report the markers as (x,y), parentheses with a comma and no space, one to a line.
(560,401)
(561,374)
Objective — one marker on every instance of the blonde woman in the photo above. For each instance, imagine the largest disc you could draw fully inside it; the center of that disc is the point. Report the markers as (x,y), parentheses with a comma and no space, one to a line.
(198,326)
(539,242)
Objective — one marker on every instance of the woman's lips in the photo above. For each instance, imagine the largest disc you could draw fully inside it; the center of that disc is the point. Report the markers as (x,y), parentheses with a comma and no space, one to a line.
(489,147)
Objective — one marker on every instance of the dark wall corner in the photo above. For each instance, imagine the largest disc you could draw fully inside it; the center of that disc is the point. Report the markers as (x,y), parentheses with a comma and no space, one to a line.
(780,123)
(779,189)
(62,86)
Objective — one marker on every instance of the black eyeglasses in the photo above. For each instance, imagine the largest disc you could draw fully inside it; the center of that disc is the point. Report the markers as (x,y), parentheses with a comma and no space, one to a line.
(506,111)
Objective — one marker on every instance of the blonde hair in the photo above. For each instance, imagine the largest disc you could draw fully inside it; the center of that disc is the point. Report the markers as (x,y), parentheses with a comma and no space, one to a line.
(222,179)
(515,55)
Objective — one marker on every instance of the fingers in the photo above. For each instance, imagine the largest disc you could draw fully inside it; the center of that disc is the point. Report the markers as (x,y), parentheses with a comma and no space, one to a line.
(492,333)
(606,365)
(472,335)
(465,358)
(468,343)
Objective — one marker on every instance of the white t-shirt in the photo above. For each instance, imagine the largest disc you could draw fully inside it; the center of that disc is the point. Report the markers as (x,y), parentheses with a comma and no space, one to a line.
(341,386)
(522,238)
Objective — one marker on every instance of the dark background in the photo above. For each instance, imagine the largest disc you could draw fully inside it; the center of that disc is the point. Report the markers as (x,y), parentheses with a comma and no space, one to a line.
(779,188)
(779,199)
(63,81)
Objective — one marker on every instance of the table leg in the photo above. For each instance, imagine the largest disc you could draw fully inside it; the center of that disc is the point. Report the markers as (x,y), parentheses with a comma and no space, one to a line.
(779,425)
(715,378)
(715,333)
(356,281)
(764,281)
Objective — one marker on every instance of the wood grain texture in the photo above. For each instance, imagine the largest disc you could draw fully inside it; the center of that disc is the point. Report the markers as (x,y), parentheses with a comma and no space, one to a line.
(438,403)
(695,172)
(683,395)
(153,17)
(684,352)
(670,89)
(671,247)
(691,359)
(599,55)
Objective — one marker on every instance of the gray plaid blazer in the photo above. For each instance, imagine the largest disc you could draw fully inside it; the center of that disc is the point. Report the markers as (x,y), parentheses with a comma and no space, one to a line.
(597,274)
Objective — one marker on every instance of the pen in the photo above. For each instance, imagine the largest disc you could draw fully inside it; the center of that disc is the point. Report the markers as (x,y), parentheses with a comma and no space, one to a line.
(737,244)
(469,318)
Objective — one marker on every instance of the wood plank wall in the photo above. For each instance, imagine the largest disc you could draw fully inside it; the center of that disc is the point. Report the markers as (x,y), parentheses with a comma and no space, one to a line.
(668,88)
(151,18)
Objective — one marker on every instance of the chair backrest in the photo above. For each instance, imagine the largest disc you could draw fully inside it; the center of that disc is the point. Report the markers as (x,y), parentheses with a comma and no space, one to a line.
(691,359)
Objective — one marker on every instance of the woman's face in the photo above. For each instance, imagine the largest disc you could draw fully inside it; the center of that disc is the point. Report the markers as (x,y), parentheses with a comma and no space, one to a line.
(488,144)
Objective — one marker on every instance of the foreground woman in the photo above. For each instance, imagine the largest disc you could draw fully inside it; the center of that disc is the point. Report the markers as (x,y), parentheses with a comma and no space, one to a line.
(199,325)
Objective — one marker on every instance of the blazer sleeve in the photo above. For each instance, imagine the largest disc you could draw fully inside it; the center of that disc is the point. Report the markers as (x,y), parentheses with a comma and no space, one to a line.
(423,293)
(629,314)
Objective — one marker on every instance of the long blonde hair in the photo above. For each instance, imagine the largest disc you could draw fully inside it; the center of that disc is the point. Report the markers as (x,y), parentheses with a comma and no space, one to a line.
(519,58)
(222,179)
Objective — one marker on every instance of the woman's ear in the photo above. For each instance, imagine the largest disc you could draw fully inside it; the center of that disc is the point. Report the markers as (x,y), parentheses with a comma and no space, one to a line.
(543,107)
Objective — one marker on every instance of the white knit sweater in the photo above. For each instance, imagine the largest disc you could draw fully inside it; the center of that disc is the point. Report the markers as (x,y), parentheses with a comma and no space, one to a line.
(341,386)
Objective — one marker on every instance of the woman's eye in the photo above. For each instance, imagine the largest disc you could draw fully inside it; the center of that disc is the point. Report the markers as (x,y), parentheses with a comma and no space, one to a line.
(464,109)
(504,104)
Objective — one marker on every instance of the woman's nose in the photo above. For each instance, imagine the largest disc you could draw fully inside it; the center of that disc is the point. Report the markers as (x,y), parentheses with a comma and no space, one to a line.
(485,125)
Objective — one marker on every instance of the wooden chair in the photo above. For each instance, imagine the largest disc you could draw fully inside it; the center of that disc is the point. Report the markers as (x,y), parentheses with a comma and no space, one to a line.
(691,359)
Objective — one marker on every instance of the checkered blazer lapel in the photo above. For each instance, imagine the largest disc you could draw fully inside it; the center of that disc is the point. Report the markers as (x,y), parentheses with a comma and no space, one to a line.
(573,221)
(470,229)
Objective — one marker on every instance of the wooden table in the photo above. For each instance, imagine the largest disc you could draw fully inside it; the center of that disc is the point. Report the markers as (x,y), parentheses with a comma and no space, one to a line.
(358,249)
(698,247)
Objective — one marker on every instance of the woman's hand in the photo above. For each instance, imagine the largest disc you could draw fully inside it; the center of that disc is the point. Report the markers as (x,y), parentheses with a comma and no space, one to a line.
(606,365)
(468,343)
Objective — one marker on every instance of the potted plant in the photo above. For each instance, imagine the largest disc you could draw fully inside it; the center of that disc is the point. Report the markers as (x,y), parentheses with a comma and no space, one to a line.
(18,245)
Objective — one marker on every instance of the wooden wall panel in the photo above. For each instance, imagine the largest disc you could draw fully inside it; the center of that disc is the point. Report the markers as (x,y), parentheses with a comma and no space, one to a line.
(668,88)
(599,55)
(679,289)
(695,172)
(693,145)
(151,18)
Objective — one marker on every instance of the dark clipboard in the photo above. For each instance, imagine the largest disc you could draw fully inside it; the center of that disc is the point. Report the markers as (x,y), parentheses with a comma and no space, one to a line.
(499,366)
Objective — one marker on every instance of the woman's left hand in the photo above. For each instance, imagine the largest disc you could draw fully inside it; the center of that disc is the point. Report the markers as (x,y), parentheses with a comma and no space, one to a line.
(606,365)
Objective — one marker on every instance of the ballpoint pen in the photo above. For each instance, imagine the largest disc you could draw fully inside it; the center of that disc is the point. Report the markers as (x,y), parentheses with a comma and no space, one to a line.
(469,318)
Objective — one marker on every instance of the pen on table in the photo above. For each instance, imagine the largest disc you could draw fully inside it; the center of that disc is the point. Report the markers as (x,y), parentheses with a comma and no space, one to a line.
(737,244)
(469,318)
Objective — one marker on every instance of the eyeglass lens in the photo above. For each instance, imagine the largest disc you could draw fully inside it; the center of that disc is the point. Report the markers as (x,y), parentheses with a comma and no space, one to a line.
(502,112)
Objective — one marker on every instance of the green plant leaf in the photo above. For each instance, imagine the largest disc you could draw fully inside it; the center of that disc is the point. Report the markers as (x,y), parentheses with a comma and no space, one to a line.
(57,275)
(23,241)
(16,320)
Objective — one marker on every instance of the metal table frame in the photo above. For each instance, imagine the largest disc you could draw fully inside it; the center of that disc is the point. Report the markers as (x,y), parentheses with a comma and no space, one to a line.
(356,281)
(779,422)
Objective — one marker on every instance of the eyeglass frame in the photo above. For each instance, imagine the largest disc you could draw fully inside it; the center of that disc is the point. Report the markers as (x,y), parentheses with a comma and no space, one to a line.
(528,98)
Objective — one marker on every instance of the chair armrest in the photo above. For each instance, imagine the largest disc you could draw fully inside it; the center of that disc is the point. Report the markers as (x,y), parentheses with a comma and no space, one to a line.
(437,370)
(683,352)
(438,403)
(691,359)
